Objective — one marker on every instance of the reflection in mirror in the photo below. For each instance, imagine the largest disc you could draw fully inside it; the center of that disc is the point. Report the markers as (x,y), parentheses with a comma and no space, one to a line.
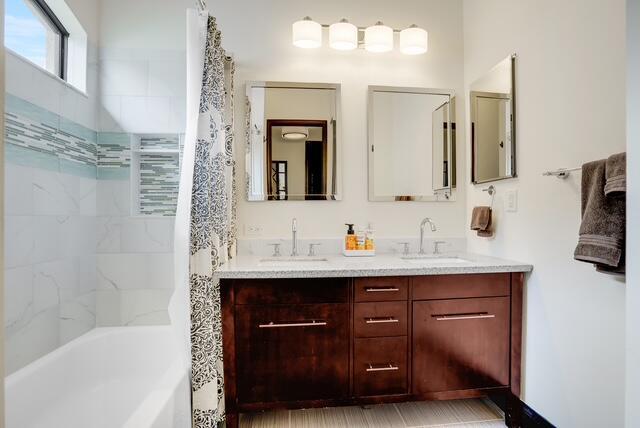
(493,124)
(410,144)
(292,141)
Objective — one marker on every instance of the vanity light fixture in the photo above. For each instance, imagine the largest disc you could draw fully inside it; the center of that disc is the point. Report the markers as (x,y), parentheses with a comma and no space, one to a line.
(345,36)
(414,40)
(378,38)
(295,133)
(307,33)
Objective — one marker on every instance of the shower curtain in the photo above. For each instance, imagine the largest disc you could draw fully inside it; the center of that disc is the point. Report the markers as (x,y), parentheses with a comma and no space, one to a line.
(205,218)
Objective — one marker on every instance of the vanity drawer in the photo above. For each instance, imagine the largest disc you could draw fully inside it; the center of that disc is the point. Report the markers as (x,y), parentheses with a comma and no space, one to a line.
(292,352)
(291,291)
(380,366)
(379,319)
(381,289)
(460,286)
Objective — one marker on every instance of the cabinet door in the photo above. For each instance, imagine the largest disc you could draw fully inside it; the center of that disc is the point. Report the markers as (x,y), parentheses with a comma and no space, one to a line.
(460,344)
(292,352)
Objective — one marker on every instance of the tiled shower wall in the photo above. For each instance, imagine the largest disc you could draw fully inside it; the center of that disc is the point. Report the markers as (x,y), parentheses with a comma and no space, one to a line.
(50,188)
(135,252)
(76,257)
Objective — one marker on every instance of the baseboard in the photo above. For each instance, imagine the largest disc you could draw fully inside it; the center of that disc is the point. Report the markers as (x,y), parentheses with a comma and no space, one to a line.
(518,414)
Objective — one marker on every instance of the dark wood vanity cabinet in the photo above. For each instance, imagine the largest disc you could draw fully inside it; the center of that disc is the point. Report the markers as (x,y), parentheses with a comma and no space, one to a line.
(292,343)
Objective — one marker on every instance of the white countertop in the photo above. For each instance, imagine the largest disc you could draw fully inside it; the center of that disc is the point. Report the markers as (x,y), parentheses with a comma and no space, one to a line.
(332,266)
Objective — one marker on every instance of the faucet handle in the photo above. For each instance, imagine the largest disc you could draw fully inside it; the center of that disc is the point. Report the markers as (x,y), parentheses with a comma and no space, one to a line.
(436,246)
(312,248)
(405,249)
(276,249)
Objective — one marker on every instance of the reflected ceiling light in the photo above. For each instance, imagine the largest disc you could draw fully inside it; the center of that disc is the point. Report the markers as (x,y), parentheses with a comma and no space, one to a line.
(414,40)
(294,133)
(378,38)
(343,35)
(307,33)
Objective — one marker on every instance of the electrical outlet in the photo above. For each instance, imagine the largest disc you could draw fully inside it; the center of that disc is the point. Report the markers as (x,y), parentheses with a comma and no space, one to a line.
(511,201)
(252,230)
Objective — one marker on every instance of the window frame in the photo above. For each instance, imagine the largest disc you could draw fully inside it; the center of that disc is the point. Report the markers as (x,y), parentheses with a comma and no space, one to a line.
(64,35)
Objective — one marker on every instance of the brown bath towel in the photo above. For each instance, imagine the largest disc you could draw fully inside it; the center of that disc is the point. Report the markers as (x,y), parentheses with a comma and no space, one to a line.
(602,231)
(616,175)
(481,221)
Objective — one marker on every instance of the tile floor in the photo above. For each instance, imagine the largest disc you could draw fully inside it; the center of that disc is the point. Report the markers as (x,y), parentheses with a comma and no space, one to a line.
(472,413)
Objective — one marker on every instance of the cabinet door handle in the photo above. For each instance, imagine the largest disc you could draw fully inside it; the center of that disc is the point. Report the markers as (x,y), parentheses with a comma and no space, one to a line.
(454,317)
(381,320)
(380,289)
(382,368)
(293,324)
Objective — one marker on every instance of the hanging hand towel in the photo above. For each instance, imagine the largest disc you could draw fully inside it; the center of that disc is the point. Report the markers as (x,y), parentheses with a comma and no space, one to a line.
(481,221)
(602,230)
(616,175)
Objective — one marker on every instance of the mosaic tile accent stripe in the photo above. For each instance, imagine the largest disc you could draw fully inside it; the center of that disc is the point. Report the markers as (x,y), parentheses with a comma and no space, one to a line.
(114,155)
(160,142)
(159,176)
(42,139)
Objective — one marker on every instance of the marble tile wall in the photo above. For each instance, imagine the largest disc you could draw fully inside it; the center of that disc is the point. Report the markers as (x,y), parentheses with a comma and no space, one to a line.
(76,257)
(134,252)
(50,265)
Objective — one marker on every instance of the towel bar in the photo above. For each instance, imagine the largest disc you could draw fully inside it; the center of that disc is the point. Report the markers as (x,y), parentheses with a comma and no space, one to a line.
(561,172)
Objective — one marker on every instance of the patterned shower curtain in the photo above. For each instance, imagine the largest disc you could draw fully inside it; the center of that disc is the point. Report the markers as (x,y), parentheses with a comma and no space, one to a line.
(212,229)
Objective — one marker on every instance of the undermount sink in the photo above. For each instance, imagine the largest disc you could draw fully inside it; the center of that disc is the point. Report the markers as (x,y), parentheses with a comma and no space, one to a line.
(420,259)
(292,261)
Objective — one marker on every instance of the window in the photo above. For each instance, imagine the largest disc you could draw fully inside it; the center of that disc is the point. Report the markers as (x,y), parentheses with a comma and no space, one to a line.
(33,31)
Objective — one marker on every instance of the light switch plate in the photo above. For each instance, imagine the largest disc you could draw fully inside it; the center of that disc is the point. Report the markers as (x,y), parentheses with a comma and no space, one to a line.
(511,201)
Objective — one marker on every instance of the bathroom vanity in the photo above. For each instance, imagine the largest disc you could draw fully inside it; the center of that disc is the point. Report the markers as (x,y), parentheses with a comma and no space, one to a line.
(343,332)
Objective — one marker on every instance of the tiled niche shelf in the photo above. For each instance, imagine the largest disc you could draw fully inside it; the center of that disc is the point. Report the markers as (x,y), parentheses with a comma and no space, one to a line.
(155,173)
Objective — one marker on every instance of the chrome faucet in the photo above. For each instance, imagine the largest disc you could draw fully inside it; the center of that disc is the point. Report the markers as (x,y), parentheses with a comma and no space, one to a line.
(422,224)
(294,237)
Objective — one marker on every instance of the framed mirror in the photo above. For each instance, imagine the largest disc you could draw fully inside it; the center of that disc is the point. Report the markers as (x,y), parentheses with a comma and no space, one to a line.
(493,124)
(293,141)
(411,144)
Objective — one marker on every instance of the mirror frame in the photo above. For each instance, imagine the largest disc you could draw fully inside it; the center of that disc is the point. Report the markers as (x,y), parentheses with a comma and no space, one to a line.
(440,195)
(472,111)
(336,192)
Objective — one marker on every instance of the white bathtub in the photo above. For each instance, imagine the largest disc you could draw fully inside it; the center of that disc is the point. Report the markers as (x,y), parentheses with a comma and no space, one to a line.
(128,377)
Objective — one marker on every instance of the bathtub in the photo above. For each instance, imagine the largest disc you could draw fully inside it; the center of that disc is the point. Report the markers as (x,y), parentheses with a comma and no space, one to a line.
(129,377)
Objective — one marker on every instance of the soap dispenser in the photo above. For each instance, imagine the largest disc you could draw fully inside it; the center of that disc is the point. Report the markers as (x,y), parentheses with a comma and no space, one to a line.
(369,243)
(350,242)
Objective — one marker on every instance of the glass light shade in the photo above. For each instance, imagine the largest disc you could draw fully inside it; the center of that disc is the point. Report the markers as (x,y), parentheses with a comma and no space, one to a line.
(307,33)
(414,41)
(378,38)
(343,36)
(295,133)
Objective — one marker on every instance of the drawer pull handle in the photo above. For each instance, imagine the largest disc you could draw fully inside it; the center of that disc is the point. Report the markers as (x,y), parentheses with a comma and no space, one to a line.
(454,317)
(384,320)
(380,289)
(383,368)
(293,324)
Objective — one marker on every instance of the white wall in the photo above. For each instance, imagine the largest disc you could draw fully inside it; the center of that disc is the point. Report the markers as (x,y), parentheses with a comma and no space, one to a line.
(259,35)
(570,110)
(142,66)
(633,207)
